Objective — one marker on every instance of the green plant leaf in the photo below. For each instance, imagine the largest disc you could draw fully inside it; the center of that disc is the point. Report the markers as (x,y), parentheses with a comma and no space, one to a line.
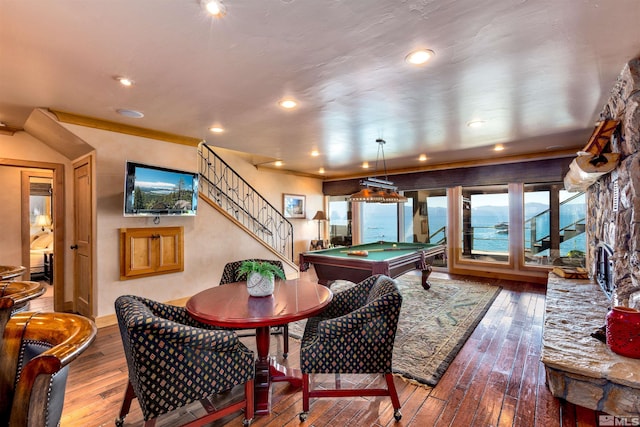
(265,269)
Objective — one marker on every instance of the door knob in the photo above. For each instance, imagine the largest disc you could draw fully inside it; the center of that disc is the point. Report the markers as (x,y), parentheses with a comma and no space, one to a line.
(73,247)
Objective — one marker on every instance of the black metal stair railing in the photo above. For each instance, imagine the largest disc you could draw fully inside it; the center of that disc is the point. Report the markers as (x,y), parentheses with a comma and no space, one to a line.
(541,243)
(239,199)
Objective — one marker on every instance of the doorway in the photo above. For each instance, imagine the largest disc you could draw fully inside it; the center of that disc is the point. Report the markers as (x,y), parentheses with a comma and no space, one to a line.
(44,175)
(41,231)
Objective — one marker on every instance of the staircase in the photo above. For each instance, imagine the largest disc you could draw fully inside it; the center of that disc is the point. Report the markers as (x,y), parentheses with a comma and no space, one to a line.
(230,194)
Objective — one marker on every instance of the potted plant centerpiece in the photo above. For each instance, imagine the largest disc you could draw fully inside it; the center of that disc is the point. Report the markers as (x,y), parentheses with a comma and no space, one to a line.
(260,277)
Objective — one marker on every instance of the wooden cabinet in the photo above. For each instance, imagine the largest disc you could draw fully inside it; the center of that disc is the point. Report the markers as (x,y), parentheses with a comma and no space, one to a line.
(151,251)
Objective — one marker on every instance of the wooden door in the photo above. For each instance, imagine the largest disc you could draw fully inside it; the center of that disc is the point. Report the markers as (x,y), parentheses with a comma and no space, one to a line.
(82,245)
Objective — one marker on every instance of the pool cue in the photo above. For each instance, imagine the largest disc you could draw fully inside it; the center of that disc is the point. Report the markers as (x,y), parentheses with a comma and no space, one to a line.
(382,250)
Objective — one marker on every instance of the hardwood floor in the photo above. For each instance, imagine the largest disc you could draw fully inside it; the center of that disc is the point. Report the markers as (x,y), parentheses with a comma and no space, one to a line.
(496,379)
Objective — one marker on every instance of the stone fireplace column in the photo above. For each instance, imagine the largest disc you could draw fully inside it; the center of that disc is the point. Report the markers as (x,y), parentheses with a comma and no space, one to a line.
(620,228)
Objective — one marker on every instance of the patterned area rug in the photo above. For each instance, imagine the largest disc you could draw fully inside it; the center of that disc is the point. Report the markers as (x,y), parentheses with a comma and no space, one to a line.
(434,324)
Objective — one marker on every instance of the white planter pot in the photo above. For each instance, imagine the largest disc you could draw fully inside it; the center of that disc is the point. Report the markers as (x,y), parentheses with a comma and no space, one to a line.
(259,286)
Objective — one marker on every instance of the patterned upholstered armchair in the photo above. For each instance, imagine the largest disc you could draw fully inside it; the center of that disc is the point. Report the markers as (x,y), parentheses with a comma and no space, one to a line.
(354,335)
(34,357)
(230,275)
(174,360)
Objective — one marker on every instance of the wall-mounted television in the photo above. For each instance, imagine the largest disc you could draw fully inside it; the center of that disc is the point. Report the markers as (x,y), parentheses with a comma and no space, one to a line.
(158,191)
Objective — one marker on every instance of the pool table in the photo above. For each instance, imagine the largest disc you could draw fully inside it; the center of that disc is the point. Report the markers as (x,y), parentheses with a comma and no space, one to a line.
(356,263)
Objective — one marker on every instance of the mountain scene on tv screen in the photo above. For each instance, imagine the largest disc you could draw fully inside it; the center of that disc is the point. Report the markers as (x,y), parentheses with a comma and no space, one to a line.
(160,191)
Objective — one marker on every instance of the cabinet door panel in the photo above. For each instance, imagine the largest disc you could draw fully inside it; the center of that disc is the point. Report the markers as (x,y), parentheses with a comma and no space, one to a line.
(170,254)
(141,253)
(150,251)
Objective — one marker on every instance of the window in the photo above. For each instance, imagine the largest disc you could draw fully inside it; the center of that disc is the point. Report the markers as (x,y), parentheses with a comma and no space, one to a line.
(426,219)
(485,223)
(554,225)
(339,221)
(379,222)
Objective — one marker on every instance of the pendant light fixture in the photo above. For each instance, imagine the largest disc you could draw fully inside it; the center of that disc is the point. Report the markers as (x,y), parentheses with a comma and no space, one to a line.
(375,190)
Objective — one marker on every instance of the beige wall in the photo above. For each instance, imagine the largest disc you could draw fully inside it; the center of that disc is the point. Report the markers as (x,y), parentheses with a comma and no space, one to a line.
(23,147)
(10,253)
(210,239)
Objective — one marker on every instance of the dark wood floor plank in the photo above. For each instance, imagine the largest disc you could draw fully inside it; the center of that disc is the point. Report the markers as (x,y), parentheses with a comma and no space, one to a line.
(507,414)
(526,408)
(468,356)
(450,410)
(409,408)
(490,405)
(429,413)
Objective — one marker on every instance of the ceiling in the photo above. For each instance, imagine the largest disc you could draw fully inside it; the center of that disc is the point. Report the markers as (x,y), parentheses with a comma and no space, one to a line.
(537,73)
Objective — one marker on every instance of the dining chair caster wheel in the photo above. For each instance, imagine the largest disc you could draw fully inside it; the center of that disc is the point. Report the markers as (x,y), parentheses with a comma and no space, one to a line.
(397,415)
(303,416)
(119,422)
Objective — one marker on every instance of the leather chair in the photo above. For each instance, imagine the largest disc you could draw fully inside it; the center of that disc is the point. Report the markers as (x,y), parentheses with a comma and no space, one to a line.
(354,335)
(14,297)
(10,272)
(230,275)
(174,360)
(35,354)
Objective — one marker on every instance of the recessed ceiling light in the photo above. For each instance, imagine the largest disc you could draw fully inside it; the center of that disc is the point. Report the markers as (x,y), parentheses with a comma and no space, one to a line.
(365,165)
(475,123)
(214,8)
(419,57)
(321,170)
(498,147)
(130,113)
(216,129)
(315,153)
(287,103)
(278,163)
(423,157)
(124,81)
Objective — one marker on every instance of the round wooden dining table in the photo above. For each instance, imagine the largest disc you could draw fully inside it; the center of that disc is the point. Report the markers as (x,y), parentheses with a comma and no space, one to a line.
(231,306)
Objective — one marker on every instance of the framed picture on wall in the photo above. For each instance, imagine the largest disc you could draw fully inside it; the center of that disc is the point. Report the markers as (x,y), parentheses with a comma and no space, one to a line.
(293,205)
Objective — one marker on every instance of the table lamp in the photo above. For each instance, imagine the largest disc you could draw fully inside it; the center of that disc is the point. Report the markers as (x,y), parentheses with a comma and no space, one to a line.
(319,216)
(43,221)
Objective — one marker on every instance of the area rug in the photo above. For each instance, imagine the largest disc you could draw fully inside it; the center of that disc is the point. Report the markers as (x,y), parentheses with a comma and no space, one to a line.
(434,324)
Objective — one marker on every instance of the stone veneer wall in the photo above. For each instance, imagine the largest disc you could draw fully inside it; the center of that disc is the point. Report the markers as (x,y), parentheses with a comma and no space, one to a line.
(620,229)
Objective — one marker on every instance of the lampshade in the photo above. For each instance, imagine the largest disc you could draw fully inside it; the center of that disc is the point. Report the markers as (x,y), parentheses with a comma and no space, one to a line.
(376,190)
(365,195)
(393,197)
(320,216)
(43,220)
